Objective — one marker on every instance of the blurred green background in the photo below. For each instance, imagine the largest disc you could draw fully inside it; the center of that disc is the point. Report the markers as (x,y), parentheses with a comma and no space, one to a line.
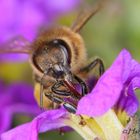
(115,27)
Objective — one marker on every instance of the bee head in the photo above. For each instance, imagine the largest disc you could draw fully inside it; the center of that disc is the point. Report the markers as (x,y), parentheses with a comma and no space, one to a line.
(56,49)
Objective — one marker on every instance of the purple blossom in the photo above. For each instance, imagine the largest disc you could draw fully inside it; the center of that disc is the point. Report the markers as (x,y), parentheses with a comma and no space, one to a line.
(46,121)
(114,90)
(16,98)
(25,18)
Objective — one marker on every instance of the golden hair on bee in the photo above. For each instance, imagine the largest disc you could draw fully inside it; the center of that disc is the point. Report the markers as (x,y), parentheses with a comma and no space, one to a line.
(71,36)
(74,42)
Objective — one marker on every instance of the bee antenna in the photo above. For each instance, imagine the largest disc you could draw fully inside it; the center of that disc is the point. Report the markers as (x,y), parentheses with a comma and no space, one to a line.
(85,14)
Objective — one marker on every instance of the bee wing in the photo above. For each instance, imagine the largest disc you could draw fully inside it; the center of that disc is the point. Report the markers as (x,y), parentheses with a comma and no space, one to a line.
(16,45)
(85,14)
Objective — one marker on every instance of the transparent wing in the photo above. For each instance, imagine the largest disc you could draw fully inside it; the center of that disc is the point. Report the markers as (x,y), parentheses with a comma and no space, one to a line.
(86,13)
(16,45)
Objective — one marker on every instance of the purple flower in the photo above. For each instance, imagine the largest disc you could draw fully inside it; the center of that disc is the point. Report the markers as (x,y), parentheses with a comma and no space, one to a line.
(25,18)
(98,110)
(17,98)
(47,121)
(115,88)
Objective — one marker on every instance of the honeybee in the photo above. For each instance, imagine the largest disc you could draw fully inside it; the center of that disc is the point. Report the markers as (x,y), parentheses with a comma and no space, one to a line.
(58,59)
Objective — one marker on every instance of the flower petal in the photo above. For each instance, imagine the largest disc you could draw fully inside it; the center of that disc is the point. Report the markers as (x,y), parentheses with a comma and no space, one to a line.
(18,21)
(109,121)
(128,101)
(108,88)
(21,92)
(62,6)
(47,121)
(5,120)
(13,57)
(17,98)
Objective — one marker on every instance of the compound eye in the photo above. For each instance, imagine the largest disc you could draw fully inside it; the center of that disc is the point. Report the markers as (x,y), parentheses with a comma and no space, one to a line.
(64,48)
(58,42)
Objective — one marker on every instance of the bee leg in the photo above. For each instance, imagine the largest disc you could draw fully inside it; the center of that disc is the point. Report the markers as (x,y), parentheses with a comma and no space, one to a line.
(82,84)
(53,98)
(42,89)
(55,87)
(41,95)
(74,93)
(93,64)
(68,106)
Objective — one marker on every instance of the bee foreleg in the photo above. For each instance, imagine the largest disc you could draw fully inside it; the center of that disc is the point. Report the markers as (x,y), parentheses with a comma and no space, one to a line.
(68,106)
(41,91)
(82,84)
(41,95)
(53,98)
(56,91)
(93,64)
